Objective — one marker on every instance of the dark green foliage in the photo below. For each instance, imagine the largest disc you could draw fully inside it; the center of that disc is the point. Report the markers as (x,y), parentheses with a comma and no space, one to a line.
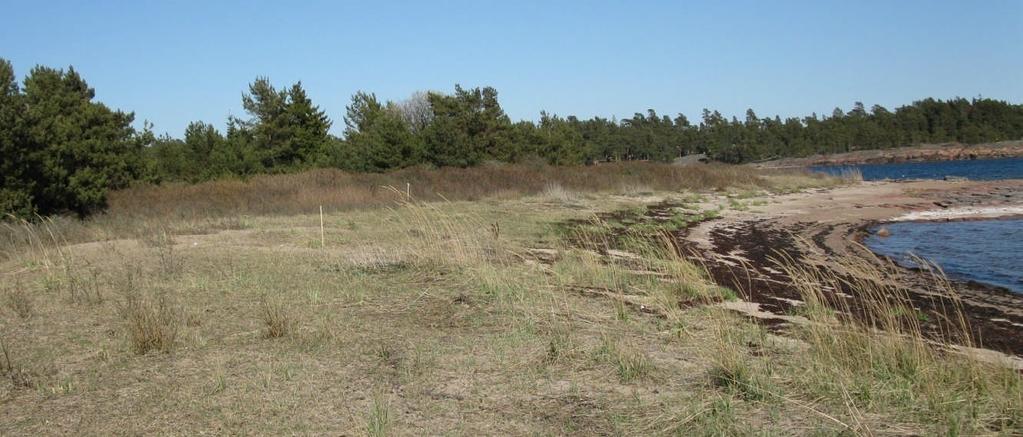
(925,121)
(468,127)
(378,138)
(561,140)
(16,184)
(170,159)
(307,135)
(61,151)
(204,154)
(286,132)
(286,129)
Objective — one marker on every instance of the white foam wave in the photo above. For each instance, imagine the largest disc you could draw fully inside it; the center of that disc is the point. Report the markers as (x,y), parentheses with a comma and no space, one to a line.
(962,212)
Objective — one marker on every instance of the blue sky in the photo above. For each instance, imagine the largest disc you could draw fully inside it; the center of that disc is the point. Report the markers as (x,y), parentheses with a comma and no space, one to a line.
(176,61)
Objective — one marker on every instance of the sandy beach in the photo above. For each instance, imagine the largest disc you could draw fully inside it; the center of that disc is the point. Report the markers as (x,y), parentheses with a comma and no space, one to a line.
(824,226)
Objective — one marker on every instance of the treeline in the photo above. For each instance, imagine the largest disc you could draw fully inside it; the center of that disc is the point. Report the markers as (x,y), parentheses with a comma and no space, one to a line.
(62,151)
(286,131)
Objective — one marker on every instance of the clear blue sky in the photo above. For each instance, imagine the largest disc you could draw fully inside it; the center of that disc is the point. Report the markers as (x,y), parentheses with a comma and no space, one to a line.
(176,61)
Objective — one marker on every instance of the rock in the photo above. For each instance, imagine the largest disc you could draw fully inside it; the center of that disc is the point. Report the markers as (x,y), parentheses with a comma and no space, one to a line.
(620,254)
(884,232)
(546,256)
(930,152)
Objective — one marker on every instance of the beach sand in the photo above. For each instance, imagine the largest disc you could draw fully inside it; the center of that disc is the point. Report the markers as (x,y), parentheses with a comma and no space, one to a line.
(825,226)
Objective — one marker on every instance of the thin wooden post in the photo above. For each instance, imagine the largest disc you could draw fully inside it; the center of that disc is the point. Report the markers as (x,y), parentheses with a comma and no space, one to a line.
(323,241)
(408,190)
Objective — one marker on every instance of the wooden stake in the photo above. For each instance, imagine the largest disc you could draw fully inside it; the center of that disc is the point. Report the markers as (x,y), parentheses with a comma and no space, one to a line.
(408,190)
(323,242)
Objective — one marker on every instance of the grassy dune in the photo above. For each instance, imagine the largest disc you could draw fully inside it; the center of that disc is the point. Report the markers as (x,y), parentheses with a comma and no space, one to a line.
(480,314)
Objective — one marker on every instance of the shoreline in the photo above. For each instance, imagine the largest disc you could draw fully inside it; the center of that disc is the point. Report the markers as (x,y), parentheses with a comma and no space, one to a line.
(824,226)
(961,214)
(921,153)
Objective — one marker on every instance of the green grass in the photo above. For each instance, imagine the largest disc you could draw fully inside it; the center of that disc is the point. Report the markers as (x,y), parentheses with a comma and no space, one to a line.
(378,422)
(629,363)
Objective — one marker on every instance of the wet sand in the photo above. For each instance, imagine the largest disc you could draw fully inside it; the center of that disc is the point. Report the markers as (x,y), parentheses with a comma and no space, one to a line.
(823,226)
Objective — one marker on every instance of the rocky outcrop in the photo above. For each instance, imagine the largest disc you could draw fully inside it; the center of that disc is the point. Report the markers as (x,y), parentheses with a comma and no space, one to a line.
(931,152)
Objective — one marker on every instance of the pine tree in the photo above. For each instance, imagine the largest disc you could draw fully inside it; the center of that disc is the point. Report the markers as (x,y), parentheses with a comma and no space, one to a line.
(468,127)
(286,128)
(75,149)
(378,138)
(16,181)
(308,126)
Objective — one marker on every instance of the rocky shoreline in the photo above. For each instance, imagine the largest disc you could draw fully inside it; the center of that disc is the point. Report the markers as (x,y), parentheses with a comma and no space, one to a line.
(824,226)
(930,152)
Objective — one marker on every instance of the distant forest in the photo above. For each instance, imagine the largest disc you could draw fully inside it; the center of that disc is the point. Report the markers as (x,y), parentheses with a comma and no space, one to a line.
(62,151)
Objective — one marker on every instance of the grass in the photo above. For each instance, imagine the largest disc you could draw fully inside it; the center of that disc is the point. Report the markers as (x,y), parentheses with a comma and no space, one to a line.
(150,323)
(153,214)
(18,300)
(879,356)
(629,363)
(734,368)
(335,190)
(378,423)
(18,376)
(483,316)
(276,320)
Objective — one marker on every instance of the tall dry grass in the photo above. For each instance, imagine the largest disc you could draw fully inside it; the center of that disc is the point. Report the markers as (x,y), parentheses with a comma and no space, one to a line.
(150,323)
(42,240)
(851,174)
(338,190)
(178,208)
(276,318)
(872,346)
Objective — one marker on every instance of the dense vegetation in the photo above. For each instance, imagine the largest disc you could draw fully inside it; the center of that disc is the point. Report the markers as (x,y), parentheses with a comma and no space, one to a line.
(62,151)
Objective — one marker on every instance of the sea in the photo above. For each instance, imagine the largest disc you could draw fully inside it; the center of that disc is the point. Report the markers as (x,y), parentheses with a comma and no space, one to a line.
(975,169)
(988,251)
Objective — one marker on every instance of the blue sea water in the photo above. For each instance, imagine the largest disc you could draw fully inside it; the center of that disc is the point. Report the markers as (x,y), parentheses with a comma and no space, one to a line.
(986,251)
(977,169)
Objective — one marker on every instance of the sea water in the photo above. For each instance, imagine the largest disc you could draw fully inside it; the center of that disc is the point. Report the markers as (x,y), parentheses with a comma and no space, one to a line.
(986,251)
(976,169)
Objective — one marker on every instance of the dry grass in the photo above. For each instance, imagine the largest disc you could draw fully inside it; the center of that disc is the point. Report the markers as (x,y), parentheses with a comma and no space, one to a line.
(150,323)
(851,174)
(154,213)
(729,353)
(555,192)
(442,317)
(19,377)
(878,356)
(18,300)
(335,190)
(276,319)
(629,363)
